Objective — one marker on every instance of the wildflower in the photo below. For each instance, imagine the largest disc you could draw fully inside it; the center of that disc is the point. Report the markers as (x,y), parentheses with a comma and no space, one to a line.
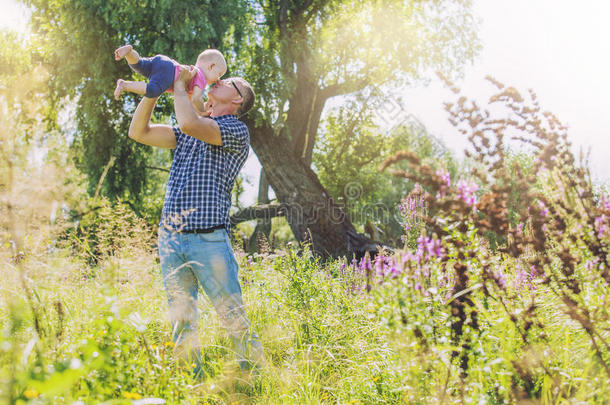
(365,264)
(520,229)
(601,226)
(500,279)
(411,206)
(379,265)
(605,203)
(446,179)
(543,210)
(169,344)
(522,278)
(132,395)
(29,394)
(429,247)
(394,271)
(467,191)
(592,263)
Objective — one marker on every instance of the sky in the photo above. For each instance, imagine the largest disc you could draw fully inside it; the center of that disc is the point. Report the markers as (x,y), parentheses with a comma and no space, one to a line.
(558,48)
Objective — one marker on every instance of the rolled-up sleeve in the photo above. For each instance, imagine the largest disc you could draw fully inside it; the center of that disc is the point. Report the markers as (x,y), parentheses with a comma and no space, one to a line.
(234,135)
(179,135)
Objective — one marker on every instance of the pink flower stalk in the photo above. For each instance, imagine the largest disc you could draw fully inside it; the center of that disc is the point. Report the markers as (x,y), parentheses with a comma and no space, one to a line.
(500,279)
(544,210)
(605,203)
(410,205)
(467,191)
(592,263)
(428,247)
(365,264)
(520,229)
(445,178)
(601,226)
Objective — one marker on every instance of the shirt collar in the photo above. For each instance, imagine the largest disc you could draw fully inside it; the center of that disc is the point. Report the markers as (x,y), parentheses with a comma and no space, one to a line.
(225,116)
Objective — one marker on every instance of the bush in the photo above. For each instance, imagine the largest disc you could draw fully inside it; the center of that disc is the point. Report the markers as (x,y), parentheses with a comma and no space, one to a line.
(106,229)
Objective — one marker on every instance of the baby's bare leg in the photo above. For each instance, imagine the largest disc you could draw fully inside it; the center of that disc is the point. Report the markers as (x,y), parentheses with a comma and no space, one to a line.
(125,85)
(127,52)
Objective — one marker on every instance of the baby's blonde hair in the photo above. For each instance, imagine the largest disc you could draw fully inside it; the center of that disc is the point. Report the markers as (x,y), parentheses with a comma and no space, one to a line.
(214,56)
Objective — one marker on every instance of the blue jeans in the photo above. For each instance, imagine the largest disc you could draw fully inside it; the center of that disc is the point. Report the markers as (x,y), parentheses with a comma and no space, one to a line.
(207,259)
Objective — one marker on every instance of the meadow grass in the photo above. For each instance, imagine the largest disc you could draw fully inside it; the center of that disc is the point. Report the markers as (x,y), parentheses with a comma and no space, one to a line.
(72,331)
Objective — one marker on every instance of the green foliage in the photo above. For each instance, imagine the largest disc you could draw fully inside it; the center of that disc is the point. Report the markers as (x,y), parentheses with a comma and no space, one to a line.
(105,229)
(76,40)
(340,47)
(347,158)
(108,338)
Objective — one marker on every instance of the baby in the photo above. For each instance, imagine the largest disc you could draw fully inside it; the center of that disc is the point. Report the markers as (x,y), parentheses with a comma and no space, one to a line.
(163,71)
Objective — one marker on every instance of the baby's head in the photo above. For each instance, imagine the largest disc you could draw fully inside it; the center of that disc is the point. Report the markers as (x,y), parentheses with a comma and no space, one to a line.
(212,64)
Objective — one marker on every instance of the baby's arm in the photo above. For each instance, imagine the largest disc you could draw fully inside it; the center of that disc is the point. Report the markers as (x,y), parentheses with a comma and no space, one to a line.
(197,99)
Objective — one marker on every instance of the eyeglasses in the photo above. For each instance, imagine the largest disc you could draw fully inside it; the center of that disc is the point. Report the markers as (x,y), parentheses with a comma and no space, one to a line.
(238,92)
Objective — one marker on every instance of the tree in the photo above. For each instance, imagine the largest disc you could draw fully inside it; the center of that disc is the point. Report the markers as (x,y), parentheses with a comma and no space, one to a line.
(309,51)
(347,156)
(76,40)
(298,54)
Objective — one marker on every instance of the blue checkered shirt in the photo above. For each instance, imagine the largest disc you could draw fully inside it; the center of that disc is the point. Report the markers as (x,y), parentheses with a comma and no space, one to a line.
(202,175)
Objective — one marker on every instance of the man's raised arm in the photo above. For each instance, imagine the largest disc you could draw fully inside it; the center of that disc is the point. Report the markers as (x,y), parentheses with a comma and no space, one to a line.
(141,130)
(191,123)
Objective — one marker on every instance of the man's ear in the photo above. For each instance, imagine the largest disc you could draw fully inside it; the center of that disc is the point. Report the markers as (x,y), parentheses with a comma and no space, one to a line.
(238,100)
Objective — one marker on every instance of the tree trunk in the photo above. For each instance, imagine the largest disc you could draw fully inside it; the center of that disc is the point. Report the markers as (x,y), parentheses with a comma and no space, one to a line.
(263,225)
(311,212)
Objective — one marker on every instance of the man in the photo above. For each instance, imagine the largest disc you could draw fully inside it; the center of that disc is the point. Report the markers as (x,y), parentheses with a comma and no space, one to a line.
(194,245)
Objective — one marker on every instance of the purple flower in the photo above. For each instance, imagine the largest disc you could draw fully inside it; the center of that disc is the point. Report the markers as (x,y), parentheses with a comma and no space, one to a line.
(379,266)
(446,179)
(365,265)
(543,209)
(394,271)
(592,263)
(520,229)
(500,279)
(605,203)
(467,191)
(428,247)
(521,279)
(411,206)
(601,226)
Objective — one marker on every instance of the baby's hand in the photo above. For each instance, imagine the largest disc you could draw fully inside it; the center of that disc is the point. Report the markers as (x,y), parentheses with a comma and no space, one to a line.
(207,108)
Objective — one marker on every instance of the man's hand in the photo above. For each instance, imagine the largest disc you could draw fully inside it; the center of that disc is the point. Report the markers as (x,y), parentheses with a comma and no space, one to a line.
(186,75)
(207,109)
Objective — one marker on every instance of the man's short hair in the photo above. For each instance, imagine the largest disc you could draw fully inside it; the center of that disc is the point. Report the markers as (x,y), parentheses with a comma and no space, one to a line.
(247,94)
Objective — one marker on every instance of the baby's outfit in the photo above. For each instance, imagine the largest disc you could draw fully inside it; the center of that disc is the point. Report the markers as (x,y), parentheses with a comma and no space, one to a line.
(162,72)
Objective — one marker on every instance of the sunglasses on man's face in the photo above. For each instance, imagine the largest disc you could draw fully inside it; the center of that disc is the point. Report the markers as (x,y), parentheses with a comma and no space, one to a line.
(238,92)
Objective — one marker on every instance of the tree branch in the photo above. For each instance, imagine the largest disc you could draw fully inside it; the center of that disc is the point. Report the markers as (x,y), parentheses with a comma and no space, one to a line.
(157,168)
(261,211)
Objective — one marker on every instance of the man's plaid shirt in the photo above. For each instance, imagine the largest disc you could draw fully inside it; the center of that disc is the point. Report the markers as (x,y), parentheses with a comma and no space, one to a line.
(201,178)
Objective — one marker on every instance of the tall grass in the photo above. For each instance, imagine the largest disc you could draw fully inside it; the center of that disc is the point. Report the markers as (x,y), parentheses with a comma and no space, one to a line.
(499,296)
